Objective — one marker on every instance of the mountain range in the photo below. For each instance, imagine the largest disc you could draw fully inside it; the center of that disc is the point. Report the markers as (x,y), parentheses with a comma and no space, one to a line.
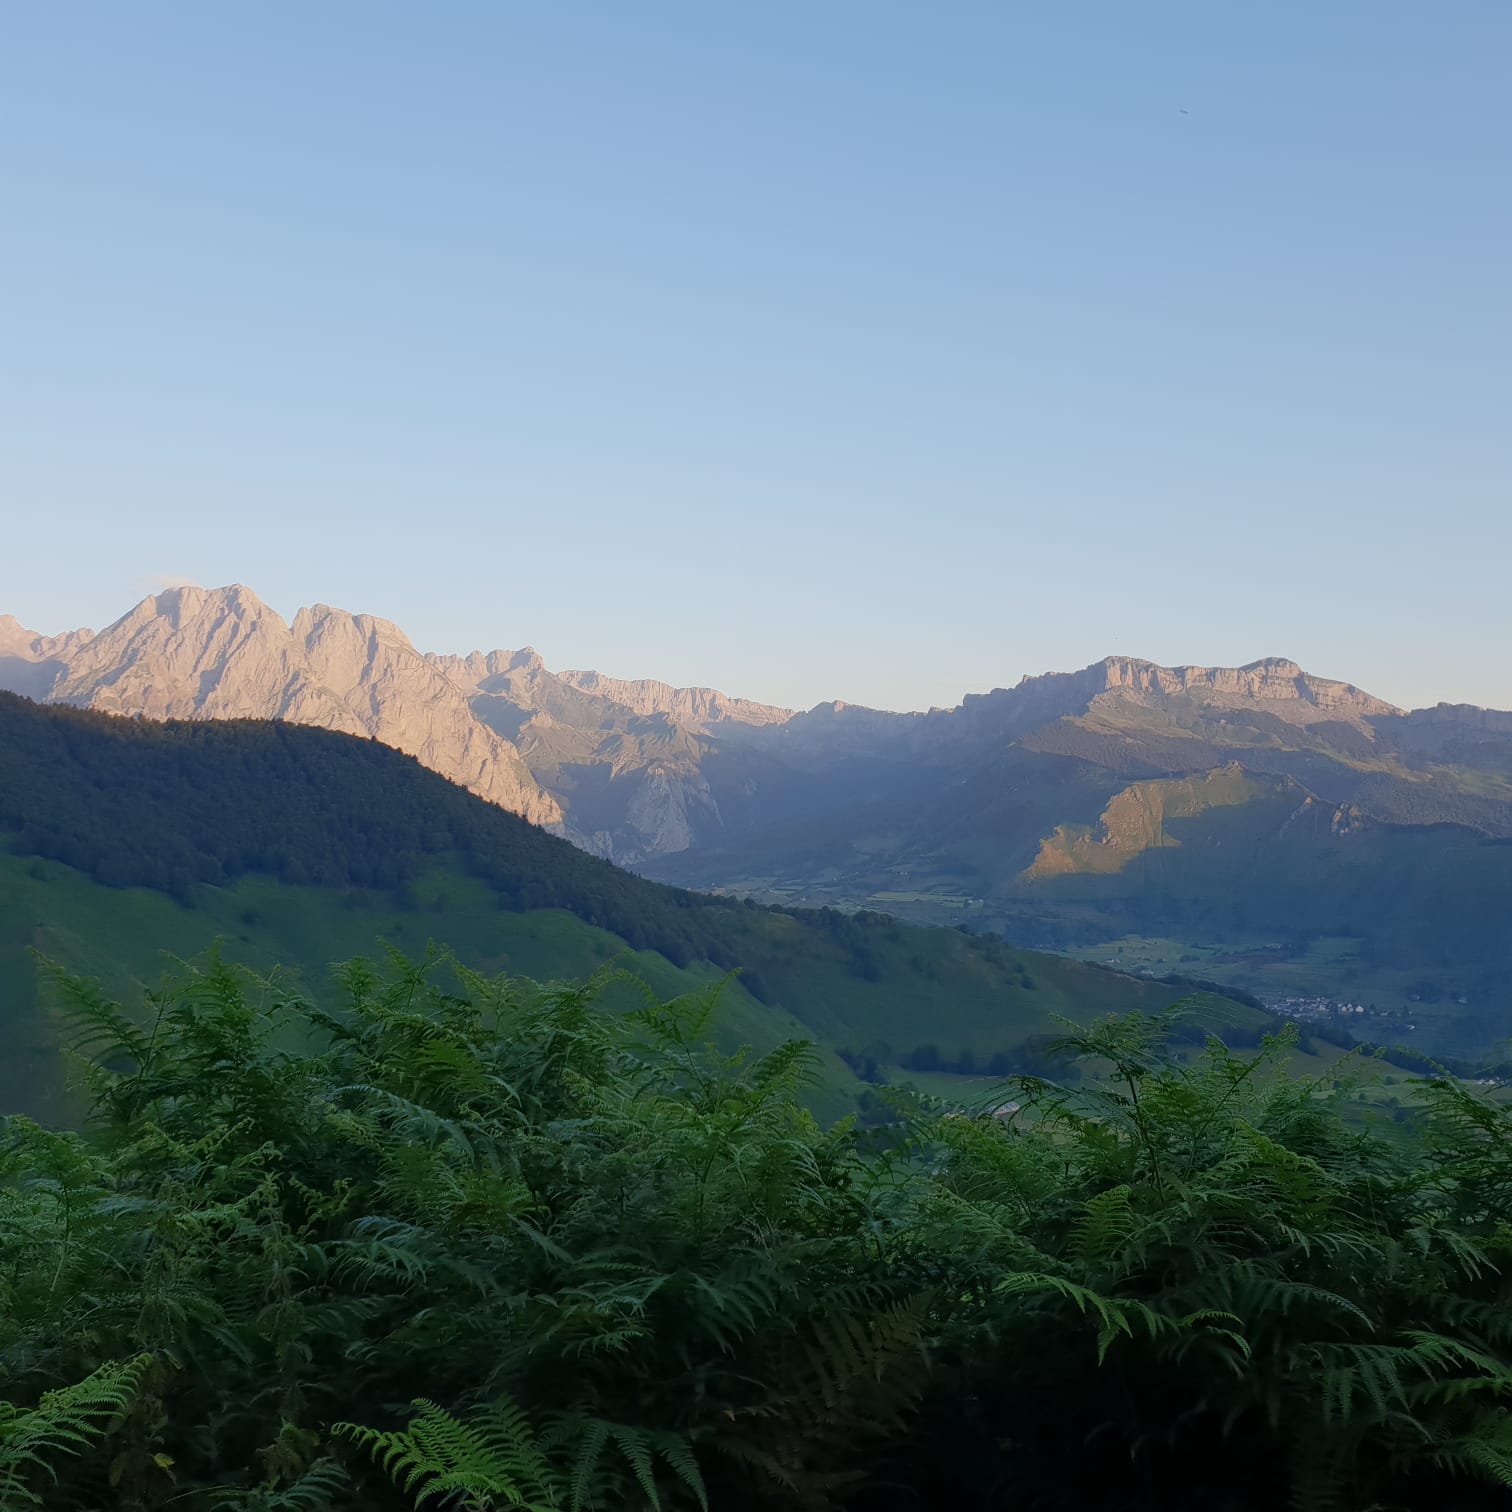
(1289,833)
(612,765)
(121,839)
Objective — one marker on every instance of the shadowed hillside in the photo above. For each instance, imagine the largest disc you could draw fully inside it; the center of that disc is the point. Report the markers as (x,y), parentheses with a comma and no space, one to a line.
(125,837)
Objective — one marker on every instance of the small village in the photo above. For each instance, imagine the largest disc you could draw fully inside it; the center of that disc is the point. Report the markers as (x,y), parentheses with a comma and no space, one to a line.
(1313,1009)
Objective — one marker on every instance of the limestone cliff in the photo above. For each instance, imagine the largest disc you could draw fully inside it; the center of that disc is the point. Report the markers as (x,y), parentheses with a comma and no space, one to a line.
(1274,686)
(625,758)
(31,664)
(196,653)
(634,769)
(1281,685)
(694,708)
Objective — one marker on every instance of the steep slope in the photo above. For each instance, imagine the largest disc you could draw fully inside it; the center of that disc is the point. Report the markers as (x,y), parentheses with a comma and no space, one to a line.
(1292,835)
(627,761)
(636,770)
(622,768)
(700,709)
(195,653)
(123,835)
(31,664)
(1014,811)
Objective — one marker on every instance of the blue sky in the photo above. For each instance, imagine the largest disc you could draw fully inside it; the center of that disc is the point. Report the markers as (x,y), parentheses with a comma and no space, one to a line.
(865,350)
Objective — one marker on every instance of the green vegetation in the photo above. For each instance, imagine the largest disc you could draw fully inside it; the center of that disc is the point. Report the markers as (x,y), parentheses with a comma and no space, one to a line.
(1247,874)
(479,1244)
(1135,821)
(1194,819)
(125,936)
(301,847)
(1380,765)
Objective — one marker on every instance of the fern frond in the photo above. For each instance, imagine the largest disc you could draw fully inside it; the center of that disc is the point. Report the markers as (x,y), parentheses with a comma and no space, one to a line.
(63,1423)
(490,1458)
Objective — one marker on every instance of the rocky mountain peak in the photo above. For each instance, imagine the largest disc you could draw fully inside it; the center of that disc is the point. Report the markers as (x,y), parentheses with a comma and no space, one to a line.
(697,708)
(16,639)
(636,767)
(1279,666)
(1272,680)
(221,653)
(339,634)
(185,602)
(31,664)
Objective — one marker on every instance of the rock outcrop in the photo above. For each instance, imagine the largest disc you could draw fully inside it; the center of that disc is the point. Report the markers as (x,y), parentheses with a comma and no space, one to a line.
(693,708)
(624,756)
(196,653)
(1274,686)
(635,769)
(1281,685)
(31,664)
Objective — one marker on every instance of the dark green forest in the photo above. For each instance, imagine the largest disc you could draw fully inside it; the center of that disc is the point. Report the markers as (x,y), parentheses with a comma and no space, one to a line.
(122,838)
(484,1244)
(179,805)
(170,806)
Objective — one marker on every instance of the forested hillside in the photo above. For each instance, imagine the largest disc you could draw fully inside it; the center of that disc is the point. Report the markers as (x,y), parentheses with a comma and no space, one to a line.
(302,846)
(1289,835)
(1277,868)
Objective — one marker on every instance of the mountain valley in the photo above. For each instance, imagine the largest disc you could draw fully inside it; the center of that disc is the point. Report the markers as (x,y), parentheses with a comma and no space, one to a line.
(1277,832)
(124,839)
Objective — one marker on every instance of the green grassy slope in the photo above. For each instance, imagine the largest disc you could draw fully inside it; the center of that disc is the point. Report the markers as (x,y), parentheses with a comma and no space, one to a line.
(1412,918)
(1257,877)
(126,936)
(302,847)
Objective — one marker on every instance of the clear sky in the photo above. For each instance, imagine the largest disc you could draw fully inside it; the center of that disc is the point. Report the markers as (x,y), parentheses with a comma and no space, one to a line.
(847,349)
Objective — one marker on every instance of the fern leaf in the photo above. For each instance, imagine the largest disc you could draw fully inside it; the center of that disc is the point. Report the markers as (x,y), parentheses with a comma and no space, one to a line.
(63,1423)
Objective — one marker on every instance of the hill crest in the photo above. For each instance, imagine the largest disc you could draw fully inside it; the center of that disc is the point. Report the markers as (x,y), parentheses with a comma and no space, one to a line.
(634,769)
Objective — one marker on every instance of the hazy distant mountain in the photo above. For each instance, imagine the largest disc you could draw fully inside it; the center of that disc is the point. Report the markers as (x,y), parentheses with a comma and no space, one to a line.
(1273,686)
(1271,829)
(1131,718)
(634,770)
(976,802)
(630,762)
(701,709)
(30,663)
(299,846)
(1228,812)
